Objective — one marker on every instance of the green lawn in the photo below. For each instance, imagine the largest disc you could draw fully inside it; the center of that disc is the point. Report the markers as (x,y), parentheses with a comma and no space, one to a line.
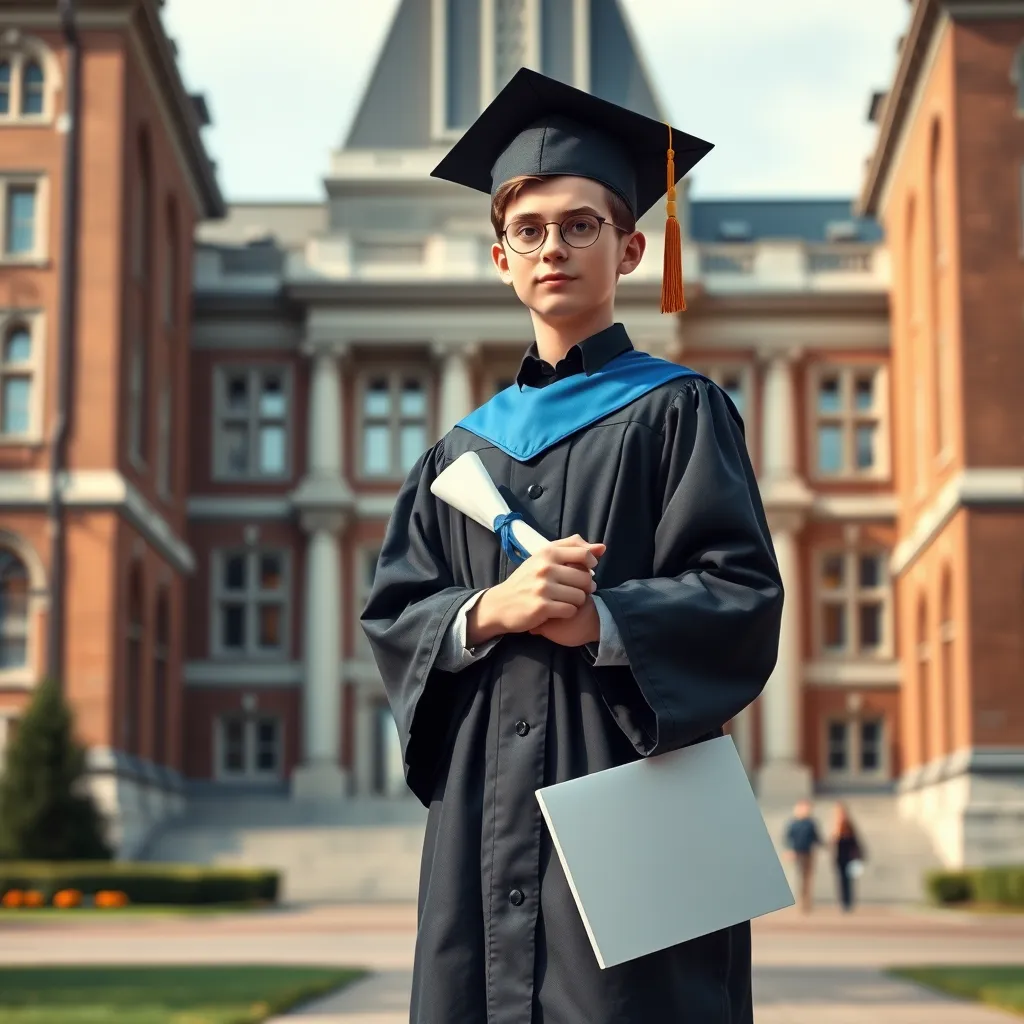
(1001,987)
(159,995)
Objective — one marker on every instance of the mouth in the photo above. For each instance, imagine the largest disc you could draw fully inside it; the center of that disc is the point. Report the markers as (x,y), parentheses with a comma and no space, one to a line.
(554,279)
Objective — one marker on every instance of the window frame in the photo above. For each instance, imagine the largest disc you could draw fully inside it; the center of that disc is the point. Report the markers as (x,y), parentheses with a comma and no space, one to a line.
(19,55)
(40,242)
(34,369)
(250,721)
(395,375)
(254,372)
(848,418)
(853,724)
(851,595)
(25,633)
(250,598)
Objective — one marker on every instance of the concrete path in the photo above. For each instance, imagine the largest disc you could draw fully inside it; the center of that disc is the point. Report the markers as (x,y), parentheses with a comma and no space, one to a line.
(825,968)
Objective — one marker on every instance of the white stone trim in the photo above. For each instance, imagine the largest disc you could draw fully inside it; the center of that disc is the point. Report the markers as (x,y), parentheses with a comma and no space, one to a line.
(99,488)
(859,672)
(263,334)
(993,9)
(210,506)
(581,44)
(35,321)
(982,487)
(966,761)
(40,254)
(375,506)
(855,506)
(259,674)
(18,51)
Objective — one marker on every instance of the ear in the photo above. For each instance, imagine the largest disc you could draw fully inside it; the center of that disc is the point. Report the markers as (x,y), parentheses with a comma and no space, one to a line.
(500,259)
(636,246)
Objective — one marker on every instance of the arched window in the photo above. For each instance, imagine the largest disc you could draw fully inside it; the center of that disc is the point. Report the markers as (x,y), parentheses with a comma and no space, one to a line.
(938,285)
(161,648)
(946,638)
(1017,76)
(134,634)
(138,370)
(5,87)
(13,611)
(924,695)
(912,292)
(32,88)
(16,381)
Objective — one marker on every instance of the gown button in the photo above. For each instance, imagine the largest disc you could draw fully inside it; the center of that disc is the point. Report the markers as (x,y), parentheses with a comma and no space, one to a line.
(535,490)
(516,897)
(522,728)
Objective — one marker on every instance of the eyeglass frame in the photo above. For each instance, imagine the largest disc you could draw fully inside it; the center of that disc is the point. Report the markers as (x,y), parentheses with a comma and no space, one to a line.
(601,221)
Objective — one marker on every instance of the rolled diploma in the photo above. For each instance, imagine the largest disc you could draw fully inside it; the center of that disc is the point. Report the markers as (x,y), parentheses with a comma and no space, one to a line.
(467,487)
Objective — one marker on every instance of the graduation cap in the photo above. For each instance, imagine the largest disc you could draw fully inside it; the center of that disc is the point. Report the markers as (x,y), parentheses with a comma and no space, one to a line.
(539,126)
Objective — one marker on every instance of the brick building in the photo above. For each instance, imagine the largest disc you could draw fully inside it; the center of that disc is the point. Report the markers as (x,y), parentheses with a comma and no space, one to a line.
(144,183)
(233,466)
(947,180)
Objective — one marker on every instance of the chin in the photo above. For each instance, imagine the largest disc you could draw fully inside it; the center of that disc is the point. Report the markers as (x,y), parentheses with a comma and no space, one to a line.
(560,307)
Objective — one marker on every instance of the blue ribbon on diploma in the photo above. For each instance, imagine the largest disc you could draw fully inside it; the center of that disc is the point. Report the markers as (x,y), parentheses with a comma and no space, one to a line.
(503,528)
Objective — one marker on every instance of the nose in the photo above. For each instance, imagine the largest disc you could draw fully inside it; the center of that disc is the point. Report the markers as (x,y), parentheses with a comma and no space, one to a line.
(553,246)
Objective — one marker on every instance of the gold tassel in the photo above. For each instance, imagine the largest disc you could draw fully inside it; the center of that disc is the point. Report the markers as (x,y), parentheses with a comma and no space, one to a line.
(673,299)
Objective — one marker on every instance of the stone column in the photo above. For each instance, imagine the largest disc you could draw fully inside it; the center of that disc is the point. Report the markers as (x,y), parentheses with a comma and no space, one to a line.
(324,503)
(782,777)
(456,397)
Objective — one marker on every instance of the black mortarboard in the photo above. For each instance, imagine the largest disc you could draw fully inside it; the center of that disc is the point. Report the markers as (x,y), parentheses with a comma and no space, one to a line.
(539,126)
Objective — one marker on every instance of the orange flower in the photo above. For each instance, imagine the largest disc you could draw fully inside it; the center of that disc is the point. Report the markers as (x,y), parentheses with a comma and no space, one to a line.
(110,898)
(12,898)
(66,898)
(33,898)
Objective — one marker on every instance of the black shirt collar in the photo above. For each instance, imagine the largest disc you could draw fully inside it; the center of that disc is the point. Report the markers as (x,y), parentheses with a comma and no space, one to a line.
(585,357)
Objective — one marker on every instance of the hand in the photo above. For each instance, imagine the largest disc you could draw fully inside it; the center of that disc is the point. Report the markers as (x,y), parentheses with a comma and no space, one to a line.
(583,628)
(552,584)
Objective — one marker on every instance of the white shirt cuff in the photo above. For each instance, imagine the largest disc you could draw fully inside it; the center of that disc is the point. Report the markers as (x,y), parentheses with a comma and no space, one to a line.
(455,655)
(609,648)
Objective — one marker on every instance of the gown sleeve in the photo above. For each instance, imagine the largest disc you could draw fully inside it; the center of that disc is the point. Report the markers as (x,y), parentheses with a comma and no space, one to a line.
(408,619)
(702,634)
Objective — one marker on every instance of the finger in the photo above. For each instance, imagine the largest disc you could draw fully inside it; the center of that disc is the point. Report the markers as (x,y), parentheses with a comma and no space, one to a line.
(569,595)
(560,610)
(576,554)
(569,576)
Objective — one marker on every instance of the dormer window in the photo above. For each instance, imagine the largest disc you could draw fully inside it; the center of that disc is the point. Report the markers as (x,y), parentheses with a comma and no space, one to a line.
(735,231)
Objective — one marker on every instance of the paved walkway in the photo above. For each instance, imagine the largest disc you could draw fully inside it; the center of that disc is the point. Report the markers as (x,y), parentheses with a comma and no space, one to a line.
(821,969)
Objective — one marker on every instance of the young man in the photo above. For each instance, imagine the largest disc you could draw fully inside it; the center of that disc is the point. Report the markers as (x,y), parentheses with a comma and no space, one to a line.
(505,675)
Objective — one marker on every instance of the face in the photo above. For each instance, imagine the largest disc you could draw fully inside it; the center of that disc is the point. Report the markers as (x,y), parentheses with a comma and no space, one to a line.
(557,281)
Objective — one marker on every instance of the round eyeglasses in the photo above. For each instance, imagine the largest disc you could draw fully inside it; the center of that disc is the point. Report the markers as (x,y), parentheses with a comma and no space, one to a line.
(580,230)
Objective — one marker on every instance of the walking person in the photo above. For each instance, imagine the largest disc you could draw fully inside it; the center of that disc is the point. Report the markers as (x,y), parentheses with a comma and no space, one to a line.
(802,838)
(849,855)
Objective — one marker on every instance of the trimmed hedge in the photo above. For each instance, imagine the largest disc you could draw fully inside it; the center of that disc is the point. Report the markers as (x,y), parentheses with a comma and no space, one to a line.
(998,886)
(143,882)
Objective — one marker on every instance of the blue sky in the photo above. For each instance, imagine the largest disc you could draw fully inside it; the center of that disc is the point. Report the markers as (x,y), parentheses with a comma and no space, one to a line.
(781,88)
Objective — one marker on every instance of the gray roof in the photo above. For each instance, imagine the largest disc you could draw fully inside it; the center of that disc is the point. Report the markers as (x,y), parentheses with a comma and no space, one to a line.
(812,220)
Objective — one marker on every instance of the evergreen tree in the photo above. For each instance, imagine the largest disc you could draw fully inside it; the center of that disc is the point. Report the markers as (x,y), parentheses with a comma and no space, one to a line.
(44,812)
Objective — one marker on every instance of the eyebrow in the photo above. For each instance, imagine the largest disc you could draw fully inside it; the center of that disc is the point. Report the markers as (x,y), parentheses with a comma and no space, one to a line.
(561,216)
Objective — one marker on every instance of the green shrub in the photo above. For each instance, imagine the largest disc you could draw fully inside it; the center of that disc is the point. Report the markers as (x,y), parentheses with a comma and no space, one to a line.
(998,886)
(144,882)
(43,813)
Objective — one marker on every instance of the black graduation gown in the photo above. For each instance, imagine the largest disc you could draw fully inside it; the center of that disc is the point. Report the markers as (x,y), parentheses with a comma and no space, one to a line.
(691,580)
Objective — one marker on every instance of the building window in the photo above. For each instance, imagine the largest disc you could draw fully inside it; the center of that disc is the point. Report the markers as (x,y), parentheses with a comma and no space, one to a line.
(13,611)
(16,382)
(134,636)
(849,432)
(251,602)
(947,633)
(394,424)
(171,257)
(163,440)
(248,747)
(5,87)
(854,597)
(161,654)
(855,749)
(458,53)
(20,220)
(32,92)
(252,418)
(137,411)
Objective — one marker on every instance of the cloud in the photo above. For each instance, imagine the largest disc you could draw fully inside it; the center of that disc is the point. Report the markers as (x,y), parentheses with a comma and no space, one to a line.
(781,88)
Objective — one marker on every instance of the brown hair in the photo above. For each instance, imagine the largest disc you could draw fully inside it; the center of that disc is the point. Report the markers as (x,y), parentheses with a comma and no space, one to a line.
(622,216)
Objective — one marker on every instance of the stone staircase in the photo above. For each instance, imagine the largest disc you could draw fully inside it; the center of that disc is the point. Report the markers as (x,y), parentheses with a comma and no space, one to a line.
(899,851)
(368,850)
